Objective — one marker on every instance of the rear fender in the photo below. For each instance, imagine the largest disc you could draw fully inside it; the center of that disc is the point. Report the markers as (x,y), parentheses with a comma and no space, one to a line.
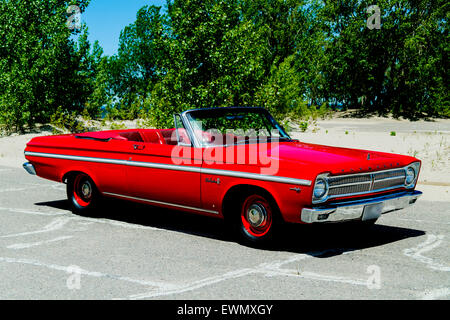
(78,169)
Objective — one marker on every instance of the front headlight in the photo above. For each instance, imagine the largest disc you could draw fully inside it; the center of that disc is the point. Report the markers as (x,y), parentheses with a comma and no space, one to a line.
(320,189)
(410,175)
(412,172)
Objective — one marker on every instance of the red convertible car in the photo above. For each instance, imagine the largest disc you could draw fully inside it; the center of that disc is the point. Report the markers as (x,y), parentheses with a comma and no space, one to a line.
(233,163)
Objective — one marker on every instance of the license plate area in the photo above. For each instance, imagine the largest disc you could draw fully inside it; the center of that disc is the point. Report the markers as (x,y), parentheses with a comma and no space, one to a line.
(372,211)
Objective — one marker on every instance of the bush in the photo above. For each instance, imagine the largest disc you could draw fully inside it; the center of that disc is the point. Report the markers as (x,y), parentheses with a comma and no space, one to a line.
(64,121)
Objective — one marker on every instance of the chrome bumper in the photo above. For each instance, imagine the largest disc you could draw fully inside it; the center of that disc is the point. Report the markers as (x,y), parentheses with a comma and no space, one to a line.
(366,209)
(29,168)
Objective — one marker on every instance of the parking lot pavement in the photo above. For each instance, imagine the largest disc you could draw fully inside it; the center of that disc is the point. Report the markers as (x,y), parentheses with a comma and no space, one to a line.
(140,252)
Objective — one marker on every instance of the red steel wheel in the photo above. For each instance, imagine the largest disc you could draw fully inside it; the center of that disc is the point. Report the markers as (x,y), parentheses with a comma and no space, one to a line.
(256,218)
(82,193)
(82,190)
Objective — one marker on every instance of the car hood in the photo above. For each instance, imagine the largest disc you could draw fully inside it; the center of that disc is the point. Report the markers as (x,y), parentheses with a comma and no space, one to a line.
(335,160)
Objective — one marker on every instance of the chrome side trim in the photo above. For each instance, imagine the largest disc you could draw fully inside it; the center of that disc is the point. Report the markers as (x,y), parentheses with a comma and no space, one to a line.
(236,174)
(163,166)
(160,203)
(75,158)
(353,210)
(256,176)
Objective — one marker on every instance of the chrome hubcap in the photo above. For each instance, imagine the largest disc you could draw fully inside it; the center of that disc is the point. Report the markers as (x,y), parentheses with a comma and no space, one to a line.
(256,215)
(86,189)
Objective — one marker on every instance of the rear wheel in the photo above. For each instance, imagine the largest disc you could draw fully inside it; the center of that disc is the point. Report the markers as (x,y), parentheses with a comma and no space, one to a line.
(82,194)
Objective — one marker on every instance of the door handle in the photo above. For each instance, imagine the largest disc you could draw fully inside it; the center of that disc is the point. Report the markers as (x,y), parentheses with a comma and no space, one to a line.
(138,147)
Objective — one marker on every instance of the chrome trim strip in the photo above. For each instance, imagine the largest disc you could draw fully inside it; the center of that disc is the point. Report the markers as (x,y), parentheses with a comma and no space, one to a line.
(154,165)
(75,158)
(256,176)
(160,203)
(350,184)
(369,173)
(390,178)
(364,192)
(236,174)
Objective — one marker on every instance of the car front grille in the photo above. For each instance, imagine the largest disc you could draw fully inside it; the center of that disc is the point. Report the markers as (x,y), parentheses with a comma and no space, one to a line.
(341,186)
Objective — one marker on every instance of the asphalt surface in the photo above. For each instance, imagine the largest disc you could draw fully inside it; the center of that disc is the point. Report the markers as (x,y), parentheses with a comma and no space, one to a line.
(140,252)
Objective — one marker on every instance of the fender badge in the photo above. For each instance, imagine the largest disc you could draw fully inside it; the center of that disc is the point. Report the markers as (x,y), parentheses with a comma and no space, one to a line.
(296,189)
(212,180)
(368,156)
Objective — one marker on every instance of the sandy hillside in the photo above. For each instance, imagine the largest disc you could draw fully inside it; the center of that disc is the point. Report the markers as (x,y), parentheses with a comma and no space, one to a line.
(12,147)
(428,141)
(425,140)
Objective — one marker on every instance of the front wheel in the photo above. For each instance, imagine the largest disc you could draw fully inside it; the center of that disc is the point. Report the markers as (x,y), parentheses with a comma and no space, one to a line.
(82,194)
(257,219)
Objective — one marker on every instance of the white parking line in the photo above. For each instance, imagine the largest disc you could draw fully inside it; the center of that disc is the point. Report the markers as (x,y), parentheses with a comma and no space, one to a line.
(56,224)
(432,242)
(160,288)
(17,189)
(269,269)
(421,221)
(29,186)
(95,274)
(33,212)
(161,291)
(38,243)
(79,219)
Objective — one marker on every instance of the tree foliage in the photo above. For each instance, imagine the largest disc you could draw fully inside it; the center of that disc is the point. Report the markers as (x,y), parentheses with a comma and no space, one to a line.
(399,68)
(294,56)
(41,66)
(290,56)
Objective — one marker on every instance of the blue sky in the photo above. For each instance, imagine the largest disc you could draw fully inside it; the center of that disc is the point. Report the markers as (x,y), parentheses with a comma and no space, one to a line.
(106,18)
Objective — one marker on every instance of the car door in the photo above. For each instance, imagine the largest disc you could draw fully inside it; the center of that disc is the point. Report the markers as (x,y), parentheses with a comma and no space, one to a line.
(164,173)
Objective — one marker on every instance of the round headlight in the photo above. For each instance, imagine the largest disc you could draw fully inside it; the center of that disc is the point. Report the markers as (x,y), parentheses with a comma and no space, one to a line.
(320,189)
(410,176)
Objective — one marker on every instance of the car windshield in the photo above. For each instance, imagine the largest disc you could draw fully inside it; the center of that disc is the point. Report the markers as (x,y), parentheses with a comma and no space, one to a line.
(230,126)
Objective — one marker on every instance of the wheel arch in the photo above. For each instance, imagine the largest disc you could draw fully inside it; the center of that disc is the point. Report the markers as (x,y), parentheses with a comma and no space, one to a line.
(73,172)
(236,193)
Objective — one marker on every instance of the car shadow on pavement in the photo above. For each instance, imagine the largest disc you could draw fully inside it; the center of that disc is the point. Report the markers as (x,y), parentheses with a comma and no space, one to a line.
(151,216)
(322,241)
(328,240)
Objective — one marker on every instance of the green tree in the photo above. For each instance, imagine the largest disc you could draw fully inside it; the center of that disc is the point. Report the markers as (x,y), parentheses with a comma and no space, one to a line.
(136,67)
(399,68)
(39,62)
(291,56)
(211,58)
